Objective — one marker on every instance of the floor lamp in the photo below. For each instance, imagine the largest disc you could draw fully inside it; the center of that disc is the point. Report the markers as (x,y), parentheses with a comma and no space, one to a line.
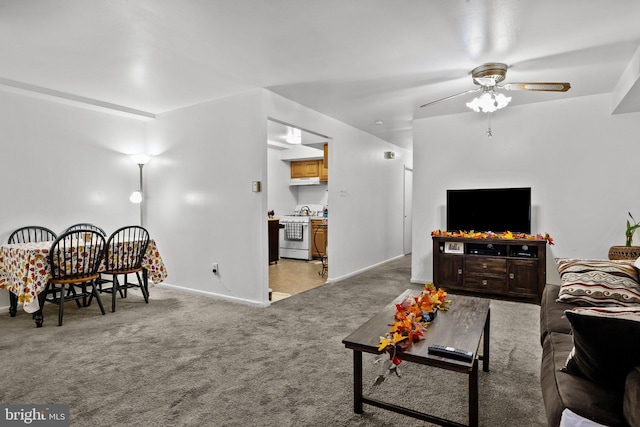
(138,196)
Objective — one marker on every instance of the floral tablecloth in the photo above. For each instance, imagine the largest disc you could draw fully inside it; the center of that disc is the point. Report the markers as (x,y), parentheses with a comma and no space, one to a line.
(25,270)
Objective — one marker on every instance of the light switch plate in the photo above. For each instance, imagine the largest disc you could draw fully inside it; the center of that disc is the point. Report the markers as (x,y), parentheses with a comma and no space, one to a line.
(256,187)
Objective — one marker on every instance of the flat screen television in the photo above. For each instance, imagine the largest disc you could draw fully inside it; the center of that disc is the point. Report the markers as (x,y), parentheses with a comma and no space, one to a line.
(489,209)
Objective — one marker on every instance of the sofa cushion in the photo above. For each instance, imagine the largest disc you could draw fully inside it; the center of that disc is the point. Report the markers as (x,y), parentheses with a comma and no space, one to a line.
(631,404)
(561,390)
(606,343)
(552,317)
(598,282)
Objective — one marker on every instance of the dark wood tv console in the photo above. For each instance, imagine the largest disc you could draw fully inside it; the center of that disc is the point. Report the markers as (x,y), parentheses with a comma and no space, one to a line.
(505,268)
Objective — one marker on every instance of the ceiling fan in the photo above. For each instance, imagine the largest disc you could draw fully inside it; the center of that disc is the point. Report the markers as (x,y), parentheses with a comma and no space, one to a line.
(488,76)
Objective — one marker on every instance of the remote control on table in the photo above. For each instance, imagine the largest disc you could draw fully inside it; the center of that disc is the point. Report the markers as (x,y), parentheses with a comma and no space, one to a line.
(451,352)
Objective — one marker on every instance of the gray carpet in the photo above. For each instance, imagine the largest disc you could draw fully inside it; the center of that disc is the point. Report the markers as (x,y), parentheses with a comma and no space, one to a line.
(185,360)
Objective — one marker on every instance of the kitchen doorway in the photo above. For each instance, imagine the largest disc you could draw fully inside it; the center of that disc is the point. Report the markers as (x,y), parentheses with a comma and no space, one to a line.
(299,204)
(291,276)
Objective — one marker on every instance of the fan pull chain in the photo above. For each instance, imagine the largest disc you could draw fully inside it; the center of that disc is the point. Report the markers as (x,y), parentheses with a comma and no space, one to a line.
(489,134)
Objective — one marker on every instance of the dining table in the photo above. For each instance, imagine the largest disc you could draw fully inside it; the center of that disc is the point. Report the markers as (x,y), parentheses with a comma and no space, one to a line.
(25,271)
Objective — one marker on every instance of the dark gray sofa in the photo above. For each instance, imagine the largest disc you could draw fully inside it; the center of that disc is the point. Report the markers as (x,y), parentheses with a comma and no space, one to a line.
(561,390)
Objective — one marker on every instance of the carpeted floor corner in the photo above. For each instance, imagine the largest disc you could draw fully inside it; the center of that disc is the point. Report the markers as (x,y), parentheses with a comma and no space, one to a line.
(184,360)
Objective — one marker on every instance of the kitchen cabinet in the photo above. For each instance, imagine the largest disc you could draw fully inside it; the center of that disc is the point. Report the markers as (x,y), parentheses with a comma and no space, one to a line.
(305,168)
(318,238)
(324,167)
(511,269)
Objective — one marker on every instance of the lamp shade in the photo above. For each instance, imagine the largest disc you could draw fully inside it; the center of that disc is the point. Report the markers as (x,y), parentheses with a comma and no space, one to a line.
(140,158)
(136,197)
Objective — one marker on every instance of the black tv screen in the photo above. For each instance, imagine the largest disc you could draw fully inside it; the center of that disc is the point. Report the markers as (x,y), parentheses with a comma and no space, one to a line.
(489,209)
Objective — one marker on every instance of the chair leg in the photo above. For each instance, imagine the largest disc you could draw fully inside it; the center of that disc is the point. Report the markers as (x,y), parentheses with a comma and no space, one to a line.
(95,293)
(13,304)
(61,305)
(84,299)
(122,291)
(143,288)
(114,291)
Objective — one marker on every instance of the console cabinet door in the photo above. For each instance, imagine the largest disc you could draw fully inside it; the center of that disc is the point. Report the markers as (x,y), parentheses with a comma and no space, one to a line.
(448,272)
(523,277)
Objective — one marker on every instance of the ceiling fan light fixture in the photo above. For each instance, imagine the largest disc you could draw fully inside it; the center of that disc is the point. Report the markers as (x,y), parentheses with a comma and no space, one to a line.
(489,102)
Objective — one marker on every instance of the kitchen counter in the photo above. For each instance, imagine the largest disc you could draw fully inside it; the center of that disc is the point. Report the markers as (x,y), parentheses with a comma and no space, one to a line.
(274,239)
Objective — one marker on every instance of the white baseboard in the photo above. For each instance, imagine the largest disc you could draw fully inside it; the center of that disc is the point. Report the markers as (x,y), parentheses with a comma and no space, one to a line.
(268,303)
(362,270)
(214,295)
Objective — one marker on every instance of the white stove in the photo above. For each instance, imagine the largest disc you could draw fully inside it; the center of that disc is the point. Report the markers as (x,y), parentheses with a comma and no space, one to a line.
(295,237)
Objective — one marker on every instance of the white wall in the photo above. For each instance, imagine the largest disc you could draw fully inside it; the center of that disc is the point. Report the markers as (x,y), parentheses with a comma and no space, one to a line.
(200,196)
(313,194)
(62,165)
(579,160)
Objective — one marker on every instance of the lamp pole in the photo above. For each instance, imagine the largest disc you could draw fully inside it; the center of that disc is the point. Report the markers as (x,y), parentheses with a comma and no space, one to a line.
(141,165)
(138,196)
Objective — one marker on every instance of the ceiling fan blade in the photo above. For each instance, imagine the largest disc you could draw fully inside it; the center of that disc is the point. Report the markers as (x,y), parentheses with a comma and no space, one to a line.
(540,87)
(452,96)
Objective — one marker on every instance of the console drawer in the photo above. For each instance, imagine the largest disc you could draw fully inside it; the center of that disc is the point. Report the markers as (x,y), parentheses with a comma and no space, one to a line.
(486,266)
(485,282)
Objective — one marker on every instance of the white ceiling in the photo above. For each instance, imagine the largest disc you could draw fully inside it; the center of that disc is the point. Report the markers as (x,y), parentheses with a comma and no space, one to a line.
(357,60)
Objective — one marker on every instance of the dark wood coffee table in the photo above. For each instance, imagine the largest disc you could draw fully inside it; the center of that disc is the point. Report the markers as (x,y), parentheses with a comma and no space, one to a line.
(462,326)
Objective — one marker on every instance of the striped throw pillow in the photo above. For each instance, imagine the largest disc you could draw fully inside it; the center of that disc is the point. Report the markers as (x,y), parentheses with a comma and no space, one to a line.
(598,282)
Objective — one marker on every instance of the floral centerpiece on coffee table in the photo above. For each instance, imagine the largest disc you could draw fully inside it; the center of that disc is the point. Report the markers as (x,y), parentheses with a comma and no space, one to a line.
(412,316)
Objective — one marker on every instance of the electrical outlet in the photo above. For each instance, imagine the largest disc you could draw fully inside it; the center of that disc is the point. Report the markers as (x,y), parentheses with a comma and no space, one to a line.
(215,268)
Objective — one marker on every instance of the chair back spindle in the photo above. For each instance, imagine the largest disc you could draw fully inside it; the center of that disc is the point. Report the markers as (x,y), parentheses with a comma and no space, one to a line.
(32,233)
(86,225)
(126,248)
(76,254)
(125,252)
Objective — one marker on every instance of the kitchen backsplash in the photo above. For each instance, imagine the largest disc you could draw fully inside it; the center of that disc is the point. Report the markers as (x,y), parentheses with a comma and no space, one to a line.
(313,194)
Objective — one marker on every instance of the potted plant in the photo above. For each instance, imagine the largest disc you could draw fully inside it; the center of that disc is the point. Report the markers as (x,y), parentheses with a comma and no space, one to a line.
(631,229)
(627,251)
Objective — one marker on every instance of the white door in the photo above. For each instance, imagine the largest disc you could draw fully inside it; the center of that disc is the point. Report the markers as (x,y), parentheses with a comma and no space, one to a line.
(408,198)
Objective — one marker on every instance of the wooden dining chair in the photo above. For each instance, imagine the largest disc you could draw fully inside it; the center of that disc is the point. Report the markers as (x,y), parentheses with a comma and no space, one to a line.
(86,225)
(75,257)
(32,233)
(124,253)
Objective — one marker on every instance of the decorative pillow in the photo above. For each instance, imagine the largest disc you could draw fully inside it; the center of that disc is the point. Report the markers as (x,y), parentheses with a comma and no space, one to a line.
(606,344)
(598,282)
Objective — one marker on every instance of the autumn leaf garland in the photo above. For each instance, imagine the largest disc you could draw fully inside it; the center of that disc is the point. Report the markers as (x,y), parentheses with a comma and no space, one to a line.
(412,316)
(508,235)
